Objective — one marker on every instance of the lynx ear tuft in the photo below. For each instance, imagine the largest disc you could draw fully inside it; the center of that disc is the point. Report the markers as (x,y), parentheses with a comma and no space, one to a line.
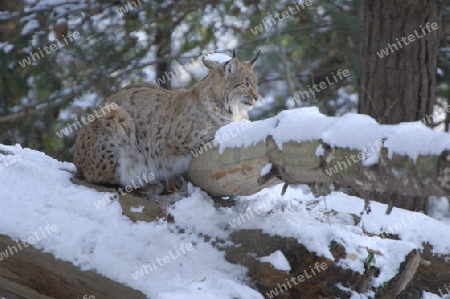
(254,60)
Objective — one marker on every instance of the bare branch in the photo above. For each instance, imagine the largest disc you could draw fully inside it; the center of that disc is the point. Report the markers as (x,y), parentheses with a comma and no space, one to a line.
(55,100)
(282,53)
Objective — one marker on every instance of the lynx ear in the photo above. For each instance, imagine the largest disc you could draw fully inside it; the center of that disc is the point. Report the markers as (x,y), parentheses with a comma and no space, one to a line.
(254,60)
(210,64)
(231,66)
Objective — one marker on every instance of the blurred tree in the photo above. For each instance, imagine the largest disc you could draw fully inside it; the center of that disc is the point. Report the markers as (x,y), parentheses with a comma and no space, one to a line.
(400,51)
(317,39)
(399,63)
(443,90)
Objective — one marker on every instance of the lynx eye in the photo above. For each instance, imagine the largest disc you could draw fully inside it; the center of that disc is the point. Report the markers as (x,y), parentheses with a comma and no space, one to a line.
(248,85)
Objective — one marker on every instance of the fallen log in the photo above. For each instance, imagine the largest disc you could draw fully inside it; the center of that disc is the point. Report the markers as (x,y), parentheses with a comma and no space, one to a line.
(304,146)
(33,274)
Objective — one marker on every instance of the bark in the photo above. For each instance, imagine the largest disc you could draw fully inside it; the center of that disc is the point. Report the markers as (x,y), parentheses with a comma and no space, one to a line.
(401,86)
(421,270)
(164,44)
(33,274)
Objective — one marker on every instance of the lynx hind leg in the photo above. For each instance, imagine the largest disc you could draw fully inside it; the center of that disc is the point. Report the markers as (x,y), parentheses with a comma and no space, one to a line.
(99,145)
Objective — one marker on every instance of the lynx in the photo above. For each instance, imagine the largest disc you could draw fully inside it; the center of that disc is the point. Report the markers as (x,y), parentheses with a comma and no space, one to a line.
(154,130)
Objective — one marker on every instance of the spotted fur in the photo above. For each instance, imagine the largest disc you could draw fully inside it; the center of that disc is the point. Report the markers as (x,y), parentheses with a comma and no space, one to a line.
(153,130)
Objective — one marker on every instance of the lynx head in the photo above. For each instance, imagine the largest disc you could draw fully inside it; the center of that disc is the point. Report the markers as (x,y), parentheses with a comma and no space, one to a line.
(237,84)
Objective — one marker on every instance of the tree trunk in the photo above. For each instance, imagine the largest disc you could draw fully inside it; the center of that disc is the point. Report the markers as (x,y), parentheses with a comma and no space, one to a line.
(163,40)
(400,86)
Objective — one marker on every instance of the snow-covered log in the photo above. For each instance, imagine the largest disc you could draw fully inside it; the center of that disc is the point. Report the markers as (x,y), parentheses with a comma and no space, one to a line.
(305,146)
(59,235)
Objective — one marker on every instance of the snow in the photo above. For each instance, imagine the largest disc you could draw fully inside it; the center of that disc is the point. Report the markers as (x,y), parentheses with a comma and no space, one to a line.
(320,151)
(355,295)
(29,27)
(58,6)
(219,57)
(278,261)
(137,209)
(37,194)
(6,47)
(354,131)
(246,133)
(427,295)
(266,169)
(440,209)
(288,216)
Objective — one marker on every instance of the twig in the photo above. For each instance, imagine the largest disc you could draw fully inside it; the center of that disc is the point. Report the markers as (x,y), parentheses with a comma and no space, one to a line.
(373,105)
(282,53)
(388,110)
(57,101)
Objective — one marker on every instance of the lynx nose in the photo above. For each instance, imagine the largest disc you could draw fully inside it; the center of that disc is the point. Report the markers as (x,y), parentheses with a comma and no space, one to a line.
(255,96)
